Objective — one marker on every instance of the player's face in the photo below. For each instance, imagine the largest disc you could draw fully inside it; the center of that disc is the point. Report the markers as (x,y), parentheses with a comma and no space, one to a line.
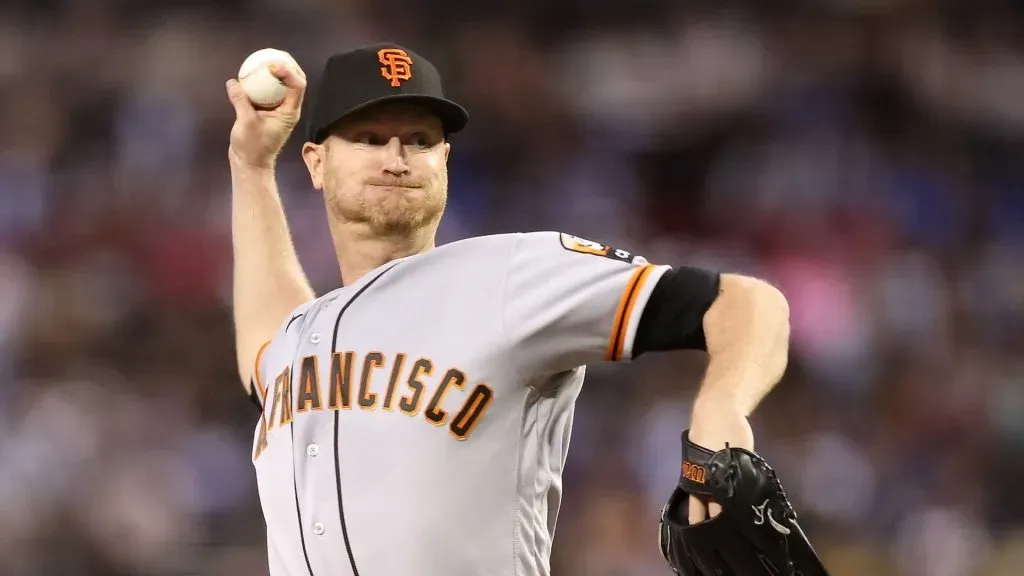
(385,169)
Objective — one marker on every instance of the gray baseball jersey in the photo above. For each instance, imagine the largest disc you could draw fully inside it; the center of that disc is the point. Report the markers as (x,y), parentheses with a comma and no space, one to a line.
(417,421)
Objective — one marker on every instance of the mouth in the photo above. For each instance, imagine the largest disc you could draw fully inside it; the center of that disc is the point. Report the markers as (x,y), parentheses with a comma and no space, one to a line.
(396,186)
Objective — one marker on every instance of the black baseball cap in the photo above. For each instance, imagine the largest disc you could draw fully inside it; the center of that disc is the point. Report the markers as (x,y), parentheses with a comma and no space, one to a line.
(355,80)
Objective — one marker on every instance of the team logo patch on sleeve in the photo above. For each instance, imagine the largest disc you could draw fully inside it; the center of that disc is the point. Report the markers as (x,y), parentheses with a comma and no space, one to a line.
(584,246)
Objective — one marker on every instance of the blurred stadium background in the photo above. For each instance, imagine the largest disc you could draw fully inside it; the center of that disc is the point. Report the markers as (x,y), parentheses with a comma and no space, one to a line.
(863,155)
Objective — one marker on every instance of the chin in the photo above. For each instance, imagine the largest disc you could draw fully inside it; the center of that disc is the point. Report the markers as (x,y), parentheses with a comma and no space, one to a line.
(392,213)
(392,223)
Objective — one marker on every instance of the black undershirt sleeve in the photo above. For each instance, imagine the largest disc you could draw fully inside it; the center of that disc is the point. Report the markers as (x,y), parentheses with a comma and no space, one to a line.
(254,396)
(673,318)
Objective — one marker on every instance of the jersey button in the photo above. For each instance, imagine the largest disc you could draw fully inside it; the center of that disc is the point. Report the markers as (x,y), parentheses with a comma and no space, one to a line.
(318,529)
(315,338)
(312,449)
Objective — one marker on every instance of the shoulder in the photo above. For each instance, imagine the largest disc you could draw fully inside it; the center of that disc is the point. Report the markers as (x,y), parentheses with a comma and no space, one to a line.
(568,247)
(546,239)
(496,252)
(475,255)
(549,250)
(287,332)
(291,325)
(300,311)
(487,242)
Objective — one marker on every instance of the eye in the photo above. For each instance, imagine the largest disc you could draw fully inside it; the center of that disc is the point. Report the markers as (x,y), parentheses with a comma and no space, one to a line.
(369,139)
(420,139)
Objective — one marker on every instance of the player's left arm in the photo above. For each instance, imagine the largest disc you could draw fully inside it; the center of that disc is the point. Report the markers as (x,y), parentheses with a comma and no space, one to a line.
(746,335)
(743,324)
(741,321)
(570,301)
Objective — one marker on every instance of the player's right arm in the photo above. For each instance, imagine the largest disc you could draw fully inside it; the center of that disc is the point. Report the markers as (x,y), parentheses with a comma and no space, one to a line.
(269,282)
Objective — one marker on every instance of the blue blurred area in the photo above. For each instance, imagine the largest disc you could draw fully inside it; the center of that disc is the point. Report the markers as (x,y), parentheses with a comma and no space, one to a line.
(864,156)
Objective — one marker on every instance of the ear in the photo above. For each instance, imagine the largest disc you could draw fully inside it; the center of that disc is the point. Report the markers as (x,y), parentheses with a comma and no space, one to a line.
(314,157)
(447,151)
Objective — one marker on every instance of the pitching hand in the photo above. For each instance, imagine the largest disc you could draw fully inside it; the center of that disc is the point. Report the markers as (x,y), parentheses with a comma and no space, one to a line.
(258,135)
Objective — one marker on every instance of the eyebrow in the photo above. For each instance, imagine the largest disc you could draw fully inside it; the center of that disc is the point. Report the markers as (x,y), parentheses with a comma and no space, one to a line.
(426,121)
(410,127)
(373,123)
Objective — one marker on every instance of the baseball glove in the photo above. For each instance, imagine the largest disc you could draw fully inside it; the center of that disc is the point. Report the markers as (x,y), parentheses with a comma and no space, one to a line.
(756,532)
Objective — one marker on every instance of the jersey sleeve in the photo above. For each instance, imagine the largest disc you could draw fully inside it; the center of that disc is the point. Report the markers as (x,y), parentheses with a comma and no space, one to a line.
(288,331)
(257,385)
(569,302)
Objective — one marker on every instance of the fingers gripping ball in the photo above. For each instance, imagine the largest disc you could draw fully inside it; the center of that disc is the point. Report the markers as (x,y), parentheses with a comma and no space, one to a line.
(261,86)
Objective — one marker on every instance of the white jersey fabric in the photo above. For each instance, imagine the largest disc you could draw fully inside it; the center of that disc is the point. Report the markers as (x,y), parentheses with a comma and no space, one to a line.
(417,421)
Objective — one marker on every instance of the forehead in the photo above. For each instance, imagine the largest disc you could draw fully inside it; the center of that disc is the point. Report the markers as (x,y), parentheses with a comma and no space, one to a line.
(392,115)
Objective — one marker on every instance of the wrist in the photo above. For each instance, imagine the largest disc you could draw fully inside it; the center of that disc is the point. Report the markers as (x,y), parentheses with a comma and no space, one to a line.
(714,425)
(718,397)
(712,406)
(241,165)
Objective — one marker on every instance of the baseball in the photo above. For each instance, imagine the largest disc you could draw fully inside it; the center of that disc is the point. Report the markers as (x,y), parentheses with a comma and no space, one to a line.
(263,88)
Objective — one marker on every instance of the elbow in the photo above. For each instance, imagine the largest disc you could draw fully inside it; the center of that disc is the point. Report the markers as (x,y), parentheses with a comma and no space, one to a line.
(770,318)
(771,305)
(753,307)
(777,309)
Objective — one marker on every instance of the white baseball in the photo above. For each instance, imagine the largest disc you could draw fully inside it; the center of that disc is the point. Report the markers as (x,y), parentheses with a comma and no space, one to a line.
(263,88)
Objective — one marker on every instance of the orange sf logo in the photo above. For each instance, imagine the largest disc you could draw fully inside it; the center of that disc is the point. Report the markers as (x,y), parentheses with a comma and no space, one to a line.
(396,65)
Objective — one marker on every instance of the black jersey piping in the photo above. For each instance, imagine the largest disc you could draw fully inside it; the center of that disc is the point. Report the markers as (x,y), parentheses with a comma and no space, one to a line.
(295,477)
(337,425)
(298,508)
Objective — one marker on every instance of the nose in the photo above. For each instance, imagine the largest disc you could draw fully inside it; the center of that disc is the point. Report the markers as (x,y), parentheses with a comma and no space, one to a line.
(395,162)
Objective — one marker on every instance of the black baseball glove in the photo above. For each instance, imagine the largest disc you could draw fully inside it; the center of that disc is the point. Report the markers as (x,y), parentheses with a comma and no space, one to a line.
(756,532)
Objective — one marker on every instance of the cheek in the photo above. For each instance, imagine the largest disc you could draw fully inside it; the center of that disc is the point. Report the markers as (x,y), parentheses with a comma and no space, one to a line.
(435,161)
(342,173)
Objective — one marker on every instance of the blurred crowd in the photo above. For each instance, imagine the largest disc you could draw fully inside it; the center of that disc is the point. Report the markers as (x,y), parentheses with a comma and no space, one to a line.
(862,155)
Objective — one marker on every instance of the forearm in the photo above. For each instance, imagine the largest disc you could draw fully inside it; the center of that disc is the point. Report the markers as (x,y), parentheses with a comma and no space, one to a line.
(268,279)
(747,335)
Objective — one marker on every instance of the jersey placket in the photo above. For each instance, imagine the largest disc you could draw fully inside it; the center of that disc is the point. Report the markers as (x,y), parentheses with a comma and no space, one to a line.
(313,441)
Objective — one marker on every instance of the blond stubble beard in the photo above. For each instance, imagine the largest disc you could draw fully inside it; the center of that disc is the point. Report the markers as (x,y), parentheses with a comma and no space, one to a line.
(391,214)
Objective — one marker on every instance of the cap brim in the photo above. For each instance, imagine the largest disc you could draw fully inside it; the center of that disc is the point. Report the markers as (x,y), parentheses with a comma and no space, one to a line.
(453,116)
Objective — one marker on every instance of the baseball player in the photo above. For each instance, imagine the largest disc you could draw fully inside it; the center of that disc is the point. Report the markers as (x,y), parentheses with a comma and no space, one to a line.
(416,419)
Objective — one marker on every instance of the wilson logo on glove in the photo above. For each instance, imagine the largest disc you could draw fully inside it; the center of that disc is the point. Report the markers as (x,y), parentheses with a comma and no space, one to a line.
(694,473)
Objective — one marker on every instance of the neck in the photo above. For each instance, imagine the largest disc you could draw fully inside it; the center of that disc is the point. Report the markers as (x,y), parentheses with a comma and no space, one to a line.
(359,250)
